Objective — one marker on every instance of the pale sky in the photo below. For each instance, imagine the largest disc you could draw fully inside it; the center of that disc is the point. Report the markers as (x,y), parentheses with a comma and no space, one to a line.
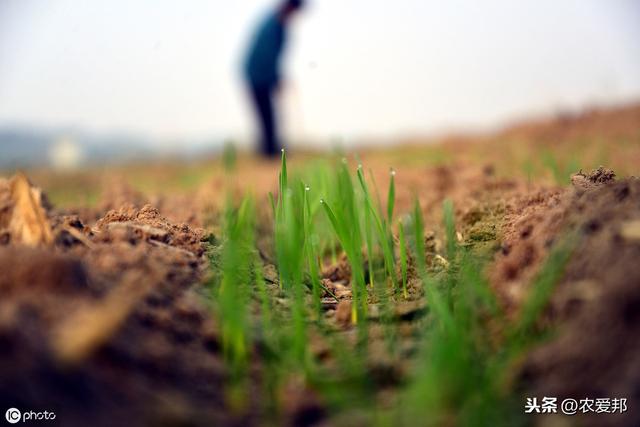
(356,68)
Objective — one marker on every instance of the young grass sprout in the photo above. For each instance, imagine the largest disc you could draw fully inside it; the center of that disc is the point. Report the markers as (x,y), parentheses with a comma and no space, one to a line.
(460,368)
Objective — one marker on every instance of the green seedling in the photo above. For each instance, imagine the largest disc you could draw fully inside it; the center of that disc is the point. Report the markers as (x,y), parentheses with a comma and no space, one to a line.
(229,157)
(232,293)
(450,229)
(467,347)
(380,225)
(290,241)
(391,196)
(346,225)
(403,258)
(463,372)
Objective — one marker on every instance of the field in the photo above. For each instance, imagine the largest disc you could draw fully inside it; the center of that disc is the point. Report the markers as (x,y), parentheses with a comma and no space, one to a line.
(440,283)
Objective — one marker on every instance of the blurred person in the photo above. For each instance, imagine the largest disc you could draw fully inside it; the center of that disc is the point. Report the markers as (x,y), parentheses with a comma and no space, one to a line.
(262,71)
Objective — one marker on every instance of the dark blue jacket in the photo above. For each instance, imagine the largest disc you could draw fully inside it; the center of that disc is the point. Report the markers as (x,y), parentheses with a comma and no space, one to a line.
(262,63)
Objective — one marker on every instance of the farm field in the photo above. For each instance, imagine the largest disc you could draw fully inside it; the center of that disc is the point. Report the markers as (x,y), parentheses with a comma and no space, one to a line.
(435,282)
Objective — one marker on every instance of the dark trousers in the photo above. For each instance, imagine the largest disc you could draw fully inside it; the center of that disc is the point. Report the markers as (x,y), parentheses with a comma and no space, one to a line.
(262,97)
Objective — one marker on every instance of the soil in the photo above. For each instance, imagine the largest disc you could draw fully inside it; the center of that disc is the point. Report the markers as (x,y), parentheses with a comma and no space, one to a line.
(597,302)
(103,319)
(144,348)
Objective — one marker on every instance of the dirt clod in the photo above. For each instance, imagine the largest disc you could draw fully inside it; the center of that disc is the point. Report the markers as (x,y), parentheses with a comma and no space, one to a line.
(596,301)
(343,312)
(105,313)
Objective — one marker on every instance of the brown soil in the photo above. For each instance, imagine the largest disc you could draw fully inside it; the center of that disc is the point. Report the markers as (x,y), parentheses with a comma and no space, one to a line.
(597,302)
(104,325)
(102,318)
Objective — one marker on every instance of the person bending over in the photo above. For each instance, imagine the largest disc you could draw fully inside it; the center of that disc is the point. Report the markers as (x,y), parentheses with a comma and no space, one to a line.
(262,71)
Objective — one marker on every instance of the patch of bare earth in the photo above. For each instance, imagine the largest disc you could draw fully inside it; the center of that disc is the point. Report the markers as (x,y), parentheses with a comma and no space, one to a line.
(596,307)
(101,322)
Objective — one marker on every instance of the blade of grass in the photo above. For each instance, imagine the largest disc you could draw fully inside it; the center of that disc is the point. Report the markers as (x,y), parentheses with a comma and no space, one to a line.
(383,235)
(450,229)
(434,299)
(403,258)
(391,196)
